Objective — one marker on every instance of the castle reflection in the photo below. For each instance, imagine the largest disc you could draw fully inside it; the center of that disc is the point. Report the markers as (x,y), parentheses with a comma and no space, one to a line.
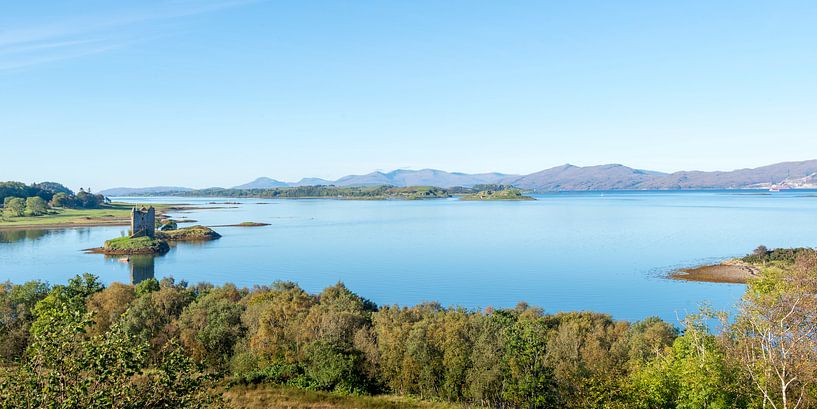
(142,267)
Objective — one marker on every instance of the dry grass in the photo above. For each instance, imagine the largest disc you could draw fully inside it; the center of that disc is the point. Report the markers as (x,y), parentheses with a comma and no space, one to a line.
(270,396)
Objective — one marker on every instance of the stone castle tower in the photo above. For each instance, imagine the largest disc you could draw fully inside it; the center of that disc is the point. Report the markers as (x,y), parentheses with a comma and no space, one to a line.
(143,222)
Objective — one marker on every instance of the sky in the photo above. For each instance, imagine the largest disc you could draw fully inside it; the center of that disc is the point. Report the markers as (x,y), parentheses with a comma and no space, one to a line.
(206,93)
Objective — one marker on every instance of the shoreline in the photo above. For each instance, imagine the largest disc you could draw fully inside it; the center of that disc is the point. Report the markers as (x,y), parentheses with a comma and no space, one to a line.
(66,225)
(727,272)
(115,214)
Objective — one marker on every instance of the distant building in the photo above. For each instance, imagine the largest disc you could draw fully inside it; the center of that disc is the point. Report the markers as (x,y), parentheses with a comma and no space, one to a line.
(143,222)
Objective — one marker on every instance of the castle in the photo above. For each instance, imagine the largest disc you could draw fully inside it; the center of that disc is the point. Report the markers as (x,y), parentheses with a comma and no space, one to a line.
(143,222)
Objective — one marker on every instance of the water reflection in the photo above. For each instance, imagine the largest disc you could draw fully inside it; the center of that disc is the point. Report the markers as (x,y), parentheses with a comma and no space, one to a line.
(12,236)
(142,266)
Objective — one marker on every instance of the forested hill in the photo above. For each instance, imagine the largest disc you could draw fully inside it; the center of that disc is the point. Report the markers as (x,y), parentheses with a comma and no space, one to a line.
(351,192)
(14,194)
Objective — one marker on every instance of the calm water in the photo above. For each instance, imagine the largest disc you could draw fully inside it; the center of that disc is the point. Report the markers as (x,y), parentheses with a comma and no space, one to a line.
(571,251)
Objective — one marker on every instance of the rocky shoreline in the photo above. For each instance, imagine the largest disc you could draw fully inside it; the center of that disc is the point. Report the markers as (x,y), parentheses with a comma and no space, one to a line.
(729,271)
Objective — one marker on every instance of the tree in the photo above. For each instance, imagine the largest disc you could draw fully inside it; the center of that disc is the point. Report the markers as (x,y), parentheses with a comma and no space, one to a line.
(153,317)
(694,373)
(211,326)
(64,368)
(334,368)
(274,318)
(16,304)
(87,200)
(108,305)
(530,382)
(485,376)
(775,335)
(14,207)
(60,199)
(52,187)
(36,206)
(761,253)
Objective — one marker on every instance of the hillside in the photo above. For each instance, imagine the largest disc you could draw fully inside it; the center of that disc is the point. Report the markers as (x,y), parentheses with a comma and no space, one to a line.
(791,175)
(761,177)
(569,177)
(140,191)
(262,183)
(424,177)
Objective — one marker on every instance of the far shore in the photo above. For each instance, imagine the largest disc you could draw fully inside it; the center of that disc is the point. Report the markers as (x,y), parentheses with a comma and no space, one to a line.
(115,214)
(729,271)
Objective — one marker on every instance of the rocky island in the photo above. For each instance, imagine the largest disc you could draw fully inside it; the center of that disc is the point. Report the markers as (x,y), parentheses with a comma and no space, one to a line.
(136,245)
(505,194)
(192,233)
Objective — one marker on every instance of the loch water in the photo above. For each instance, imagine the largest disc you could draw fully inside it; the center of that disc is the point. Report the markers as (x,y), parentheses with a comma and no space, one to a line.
(600,251)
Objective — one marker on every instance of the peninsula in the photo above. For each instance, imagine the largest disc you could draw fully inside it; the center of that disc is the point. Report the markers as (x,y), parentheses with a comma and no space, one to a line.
(742,270)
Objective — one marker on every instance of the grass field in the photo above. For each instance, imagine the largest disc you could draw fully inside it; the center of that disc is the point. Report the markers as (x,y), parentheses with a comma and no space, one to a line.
(115,214)
(271,396)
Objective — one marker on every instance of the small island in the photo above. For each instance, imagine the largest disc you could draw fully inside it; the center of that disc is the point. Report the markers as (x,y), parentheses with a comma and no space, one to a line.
(244,224)
(136,245)
(192,233)
(504,194)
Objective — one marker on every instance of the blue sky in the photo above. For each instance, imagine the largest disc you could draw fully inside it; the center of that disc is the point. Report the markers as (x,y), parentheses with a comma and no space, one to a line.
(218,92)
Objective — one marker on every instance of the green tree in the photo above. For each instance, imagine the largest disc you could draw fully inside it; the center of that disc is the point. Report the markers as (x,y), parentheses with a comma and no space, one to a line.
(694,373)
(147,286)
(485,376)
(36,206)
(153,317)
(16,304)
(529,382)
(61,199)
(14,207)
(332,367)
(65,368)
(211,326)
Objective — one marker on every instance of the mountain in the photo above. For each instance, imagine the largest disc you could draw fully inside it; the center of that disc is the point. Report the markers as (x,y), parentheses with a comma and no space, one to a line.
(312,182)
(569,177)
(808,182)
(262,183)
(400,177)
(127,191)
(761,177)
(787,175)
(424,177)
(617,177)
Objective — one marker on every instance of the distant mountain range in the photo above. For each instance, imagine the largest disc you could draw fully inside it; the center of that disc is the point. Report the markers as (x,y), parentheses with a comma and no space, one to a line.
(786,175)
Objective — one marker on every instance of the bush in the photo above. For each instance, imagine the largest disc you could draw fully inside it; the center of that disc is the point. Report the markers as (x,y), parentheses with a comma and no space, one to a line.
(333,368)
